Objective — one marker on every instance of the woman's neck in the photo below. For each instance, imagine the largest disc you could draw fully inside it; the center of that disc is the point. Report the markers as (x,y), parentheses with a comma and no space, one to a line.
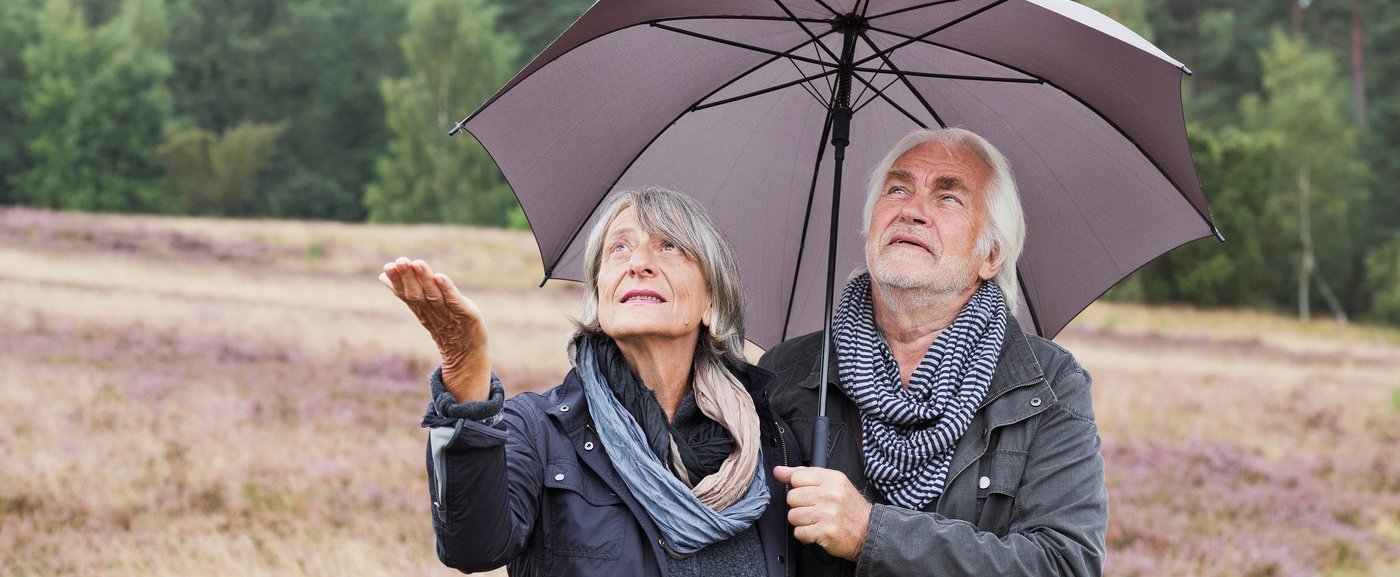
(664,366)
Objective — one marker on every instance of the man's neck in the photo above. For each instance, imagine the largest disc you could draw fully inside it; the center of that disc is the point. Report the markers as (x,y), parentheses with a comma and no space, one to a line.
(912,319)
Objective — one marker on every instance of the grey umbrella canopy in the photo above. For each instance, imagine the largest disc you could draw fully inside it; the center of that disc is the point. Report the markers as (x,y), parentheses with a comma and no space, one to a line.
(732,102)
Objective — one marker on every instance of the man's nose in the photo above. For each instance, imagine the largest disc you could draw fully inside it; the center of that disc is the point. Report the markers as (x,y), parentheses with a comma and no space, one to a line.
(915,210)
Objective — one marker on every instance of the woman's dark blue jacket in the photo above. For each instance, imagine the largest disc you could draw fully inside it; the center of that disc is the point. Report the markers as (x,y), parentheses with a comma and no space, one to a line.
(538,492)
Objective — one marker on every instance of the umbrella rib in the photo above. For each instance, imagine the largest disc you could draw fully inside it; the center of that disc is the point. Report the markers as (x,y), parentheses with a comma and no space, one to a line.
(744,46)
(956,49)
(815,40)
(549,269)
(828,7)
(951,76)
(876,92)
(1035,318)
(809,89)
(1081,101)
(762,91)
(902,78)
(911,8)
(866,10)
(806,222)
(881,94)
(753,17)
(945,26)
(809,32)
(861,95)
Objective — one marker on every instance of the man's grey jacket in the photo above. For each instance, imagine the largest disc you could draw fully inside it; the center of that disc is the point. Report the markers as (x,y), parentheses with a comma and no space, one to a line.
(1026,492)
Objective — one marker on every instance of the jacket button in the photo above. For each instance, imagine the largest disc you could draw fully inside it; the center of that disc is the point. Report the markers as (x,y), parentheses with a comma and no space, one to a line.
(565,408)
(1035,402)
(588,446)
(984,482)
(560,477)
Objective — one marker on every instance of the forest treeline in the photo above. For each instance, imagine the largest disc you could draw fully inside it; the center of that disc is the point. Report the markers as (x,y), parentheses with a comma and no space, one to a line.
(338,109)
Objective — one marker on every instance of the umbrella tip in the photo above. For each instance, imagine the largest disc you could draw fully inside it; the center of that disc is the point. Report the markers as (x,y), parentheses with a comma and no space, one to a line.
(1218,235)
(543,280)
(458,127)
(1187,70)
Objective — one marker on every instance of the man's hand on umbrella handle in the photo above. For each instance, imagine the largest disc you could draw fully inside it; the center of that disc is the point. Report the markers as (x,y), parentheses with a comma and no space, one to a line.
(453,320)
(825,509)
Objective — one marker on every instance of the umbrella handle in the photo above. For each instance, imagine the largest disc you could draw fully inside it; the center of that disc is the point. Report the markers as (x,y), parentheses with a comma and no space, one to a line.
(821,427)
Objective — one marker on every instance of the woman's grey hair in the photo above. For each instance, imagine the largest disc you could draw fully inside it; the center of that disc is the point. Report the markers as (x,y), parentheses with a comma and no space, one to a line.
(682,221)
(1006,223)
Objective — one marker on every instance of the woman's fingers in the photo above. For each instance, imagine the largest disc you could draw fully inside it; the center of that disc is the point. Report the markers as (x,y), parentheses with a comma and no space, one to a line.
(390,278)
(450,295)
(433,296)
(412,290)
(429,285)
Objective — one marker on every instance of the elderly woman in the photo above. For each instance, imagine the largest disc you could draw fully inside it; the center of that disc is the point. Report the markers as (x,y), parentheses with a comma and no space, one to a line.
(653,457)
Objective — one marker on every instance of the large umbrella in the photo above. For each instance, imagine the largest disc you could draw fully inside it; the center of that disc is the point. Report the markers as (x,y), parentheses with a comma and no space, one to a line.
(754,106)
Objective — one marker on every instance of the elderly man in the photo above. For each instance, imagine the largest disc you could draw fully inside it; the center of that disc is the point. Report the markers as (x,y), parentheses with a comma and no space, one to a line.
(960,444)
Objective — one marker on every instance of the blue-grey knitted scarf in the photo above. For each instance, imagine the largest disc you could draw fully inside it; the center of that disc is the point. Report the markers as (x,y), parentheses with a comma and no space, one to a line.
(687,524)
(908,434)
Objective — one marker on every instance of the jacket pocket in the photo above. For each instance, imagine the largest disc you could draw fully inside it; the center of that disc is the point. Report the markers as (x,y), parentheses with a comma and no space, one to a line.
(998,482)
(582,517)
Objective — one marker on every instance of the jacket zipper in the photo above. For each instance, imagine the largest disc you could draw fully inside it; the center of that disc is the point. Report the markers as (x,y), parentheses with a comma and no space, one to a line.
(787,543)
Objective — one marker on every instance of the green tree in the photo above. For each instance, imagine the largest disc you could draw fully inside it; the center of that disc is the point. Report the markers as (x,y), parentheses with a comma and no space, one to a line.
(1220,41)
(1238,169)
(1383,278)
(1321,180)
(455,61)
(314,65)
(17,30)
(216,174)
(1130,13)
(94,110)
(536,23)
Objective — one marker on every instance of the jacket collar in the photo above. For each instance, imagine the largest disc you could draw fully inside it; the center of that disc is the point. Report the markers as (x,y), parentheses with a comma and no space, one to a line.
(569,405)
(1017,366)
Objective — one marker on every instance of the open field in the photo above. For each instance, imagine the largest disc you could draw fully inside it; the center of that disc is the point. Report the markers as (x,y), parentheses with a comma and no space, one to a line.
(209,397)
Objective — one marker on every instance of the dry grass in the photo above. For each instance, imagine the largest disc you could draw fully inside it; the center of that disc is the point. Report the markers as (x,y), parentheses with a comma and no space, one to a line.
(184,396)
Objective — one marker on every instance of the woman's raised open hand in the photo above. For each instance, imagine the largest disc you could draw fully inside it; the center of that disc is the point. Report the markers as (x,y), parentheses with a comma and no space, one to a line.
(453,320)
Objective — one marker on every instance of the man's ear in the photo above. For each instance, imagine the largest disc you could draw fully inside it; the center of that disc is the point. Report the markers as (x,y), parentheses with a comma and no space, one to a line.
(990,266)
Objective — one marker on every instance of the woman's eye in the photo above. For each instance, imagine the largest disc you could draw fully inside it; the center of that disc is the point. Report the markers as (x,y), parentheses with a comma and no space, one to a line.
(617,247)
(669,246)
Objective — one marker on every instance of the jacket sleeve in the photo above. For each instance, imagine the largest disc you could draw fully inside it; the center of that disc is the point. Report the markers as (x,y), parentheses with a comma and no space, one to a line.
(1059,521)
(484,477)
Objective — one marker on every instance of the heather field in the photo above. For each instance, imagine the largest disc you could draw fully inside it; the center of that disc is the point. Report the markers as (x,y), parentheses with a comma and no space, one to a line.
(217,397)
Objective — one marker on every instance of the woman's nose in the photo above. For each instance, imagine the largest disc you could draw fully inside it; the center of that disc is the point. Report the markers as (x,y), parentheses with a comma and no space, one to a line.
(641,262)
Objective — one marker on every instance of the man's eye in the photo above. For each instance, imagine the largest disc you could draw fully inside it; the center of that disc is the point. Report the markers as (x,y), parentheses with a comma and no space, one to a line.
(898,190)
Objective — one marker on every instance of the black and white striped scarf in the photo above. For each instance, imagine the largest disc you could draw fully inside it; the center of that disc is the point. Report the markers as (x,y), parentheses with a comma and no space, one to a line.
(908,435)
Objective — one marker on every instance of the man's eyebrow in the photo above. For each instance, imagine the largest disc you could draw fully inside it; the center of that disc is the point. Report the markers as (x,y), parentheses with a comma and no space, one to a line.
(901,175)
(951,183)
